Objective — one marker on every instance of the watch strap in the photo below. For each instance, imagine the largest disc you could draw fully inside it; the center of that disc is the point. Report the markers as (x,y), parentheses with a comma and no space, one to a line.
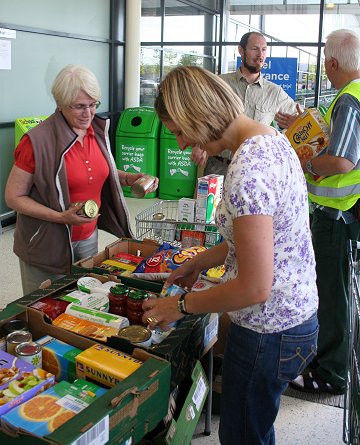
(181,304)
(309,167)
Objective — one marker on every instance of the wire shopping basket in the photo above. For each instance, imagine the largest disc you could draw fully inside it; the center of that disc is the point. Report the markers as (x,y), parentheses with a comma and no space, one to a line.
(351,431)
(160,222)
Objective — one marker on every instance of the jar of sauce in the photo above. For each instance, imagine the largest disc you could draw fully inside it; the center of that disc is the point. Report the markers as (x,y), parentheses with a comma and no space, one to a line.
(134,309)
(118,299)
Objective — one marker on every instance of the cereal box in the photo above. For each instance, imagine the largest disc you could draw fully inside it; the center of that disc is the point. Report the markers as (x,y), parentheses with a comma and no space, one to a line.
(19,381)
(45,412)
(58,358)
(105,365)
(309,134)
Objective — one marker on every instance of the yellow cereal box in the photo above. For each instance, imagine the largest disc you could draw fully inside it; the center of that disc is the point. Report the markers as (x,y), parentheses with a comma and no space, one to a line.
(309,134)
(105,365)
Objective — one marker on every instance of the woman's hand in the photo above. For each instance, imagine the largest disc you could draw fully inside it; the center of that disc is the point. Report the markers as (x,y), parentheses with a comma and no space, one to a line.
(128,179)
(184,276)
(160,312)
(198,156)
(70,216)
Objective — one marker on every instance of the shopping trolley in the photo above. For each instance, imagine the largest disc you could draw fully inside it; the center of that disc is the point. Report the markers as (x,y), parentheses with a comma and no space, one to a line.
(160,222)
(351,431)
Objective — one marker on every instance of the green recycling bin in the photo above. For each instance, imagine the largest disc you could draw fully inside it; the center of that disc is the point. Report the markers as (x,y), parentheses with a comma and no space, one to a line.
(177,177)
(137,143)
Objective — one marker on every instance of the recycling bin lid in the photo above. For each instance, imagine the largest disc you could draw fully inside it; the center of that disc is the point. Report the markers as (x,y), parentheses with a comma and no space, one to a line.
(139,121)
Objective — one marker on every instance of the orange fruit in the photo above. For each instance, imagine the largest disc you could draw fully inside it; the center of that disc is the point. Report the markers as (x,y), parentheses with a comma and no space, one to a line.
(50,362)
(60,419)
(41,408)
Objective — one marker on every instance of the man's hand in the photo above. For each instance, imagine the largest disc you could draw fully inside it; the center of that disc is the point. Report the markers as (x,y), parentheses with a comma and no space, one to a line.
(285,120)
(198,156)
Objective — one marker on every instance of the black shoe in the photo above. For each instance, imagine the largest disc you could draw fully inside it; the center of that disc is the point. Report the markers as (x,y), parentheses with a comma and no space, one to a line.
(314,385)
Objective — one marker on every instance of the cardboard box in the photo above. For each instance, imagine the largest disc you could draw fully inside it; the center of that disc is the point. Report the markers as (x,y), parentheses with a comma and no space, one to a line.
(309,134)
(144,248)
(186,209)
(208,196)
(125,413)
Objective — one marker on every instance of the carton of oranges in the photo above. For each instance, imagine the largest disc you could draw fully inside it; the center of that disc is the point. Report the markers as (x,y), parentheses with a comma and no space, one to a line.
(45,412)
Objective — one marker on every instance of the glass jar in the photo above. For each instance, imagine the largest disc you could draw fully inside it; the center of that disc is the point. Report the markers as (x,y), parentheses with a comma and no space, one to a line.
(118,299)
(134,309)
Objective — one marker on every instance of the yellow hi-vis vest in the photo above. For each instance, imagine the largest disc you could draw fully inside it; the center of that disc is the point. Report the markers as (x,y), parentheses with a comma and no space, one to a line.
(338,191)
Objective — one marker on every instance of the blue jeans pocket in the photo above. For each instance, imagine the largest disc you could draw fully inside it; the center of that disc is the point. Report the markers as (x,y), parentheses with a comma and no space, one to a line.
(296,352)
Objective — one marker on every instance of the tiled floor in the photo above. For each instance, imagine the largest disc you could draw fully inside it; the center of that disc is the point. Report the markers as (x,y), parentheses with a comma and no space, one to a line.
(299,422)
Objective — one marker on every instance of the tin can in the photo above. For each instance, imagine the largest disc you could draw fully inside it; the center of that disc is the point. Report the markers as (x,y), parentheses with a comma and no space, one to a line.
(90,209)
(15,325)
(169,229)
(138,335)
(30,352)
(15,338)
(142,185)
(157,226)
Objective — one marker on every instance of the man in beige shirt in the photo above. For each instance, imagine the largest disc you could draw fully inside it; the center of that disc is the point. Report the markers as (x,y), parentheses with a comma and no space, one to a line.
(263,101)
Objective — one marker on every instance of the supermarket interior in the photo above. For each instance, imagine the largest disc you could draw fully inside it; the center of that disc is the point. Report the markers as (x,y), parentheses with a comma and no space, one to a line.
(100,381)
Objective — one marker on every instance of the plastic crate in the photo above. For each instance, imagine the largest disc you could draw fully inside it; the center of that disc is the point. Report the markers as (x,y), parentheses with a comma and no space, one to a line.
(351,432)
(169,229)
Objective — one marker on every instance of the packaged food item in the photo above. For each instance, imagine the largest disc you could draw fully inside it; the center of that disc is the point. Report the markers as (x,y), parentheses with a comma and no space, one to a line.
(121,262)
(214,274)
(44,413)
(15,338)
(52,307)
(157,226)
(98,301)
(142,185)
(208,196)
(104,318)
(20,381)
(58,358)
(190,238)
(104,288)
(118,299)
(89,209)
(86,328)
(138,335)
(85,284)
(134,310)
(30,352)
(105,365)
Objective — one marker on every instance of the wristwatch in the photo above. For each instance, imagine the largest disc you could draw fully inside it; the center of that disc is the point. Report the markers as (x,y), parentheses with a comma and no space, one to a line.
(310,168)
(181,304)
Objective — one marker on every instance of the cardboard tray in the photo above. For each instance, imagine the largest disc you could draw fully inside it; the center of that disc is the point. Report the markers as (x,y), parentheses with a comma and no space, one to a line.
(126,412)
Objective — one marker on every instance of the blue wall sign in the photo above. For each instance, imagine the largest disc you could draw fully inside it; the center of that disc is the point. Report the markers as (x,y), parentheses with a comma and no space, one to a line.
(280,70)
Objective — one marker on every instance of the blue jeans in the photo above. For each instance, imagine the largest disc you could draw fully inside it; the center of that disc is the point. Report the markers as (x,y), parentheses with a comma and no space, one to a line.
(256,370)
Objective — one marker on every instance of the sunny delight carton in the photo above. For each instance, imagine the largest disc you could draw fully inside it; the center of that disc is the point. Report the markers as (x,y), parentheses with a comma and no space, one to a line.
(309,134)
(20,381)
(47,411)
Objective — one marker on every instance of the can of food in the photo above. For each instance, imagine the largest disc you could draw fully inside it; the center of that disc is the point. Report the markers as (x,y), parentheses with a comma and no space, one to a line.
(15,325)
(157,226)
(30,352)
(138,335)
(90,209)
(15,338)
(142,185)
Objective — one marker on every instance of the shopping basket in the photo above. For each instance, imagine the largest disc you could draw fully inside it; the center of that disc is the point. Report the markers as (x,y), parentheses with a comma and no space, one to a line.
(160,222)
(351,431)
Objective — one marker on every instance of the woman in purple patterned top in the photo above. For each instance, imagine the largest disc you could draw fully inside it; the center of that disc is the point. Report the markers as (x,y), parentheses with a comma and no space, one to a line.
(269,286)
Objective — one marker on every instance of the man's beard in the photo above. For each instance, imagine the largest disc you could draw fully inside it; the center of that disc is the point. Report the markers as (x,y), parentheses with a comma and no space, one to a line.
(252,69)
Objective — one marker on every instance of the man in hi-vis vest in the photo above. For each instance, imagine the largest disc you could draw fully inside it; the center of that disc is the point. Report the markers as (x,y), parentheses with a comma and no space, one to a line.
(333,179)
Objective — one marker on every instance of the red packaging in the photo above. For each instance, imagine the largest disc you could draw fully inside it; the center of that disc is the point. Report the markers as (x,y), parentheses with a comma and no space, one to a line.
(52,307)
(190,238)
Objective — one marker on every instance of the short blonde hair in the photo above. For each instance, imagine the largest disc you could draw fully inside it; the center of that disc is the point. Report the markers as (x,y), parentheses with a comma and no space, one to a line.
(70,81)
(199,102)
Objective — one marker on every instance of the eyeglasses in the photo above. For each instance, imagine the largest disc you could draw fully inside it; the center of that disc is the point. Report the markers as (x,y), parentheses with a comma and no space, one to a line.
(80,108)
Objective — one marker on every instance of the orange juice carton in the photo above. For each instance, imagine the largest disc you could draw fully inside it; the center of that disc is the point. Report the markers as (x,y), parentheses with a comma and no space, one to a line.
(208,196)
(45,412)
(20,381)
(58,358)
(87,328)
(309,134)
(105,365)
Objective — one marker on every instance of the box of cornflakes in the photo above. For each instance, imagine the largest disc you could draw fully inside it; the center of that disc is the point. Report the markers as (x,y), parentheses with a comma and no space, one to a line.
(309,134)
(20,381)
(46,412)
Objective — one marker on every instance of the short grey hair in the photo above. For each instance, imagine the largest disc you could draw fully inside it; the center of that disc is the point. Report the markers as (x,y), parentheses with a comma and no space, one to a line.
(344,46)
(70,81)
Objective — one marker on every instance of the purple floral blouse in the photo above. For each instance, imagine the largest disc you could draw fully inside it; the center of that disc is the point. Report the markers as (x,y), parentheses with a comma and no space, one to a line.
(265,178)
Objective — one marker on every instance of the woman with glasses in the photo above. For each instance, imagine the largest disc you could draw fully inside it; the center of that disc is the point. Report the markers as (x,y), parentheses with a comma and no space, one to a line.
(269,286)
(59,164)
